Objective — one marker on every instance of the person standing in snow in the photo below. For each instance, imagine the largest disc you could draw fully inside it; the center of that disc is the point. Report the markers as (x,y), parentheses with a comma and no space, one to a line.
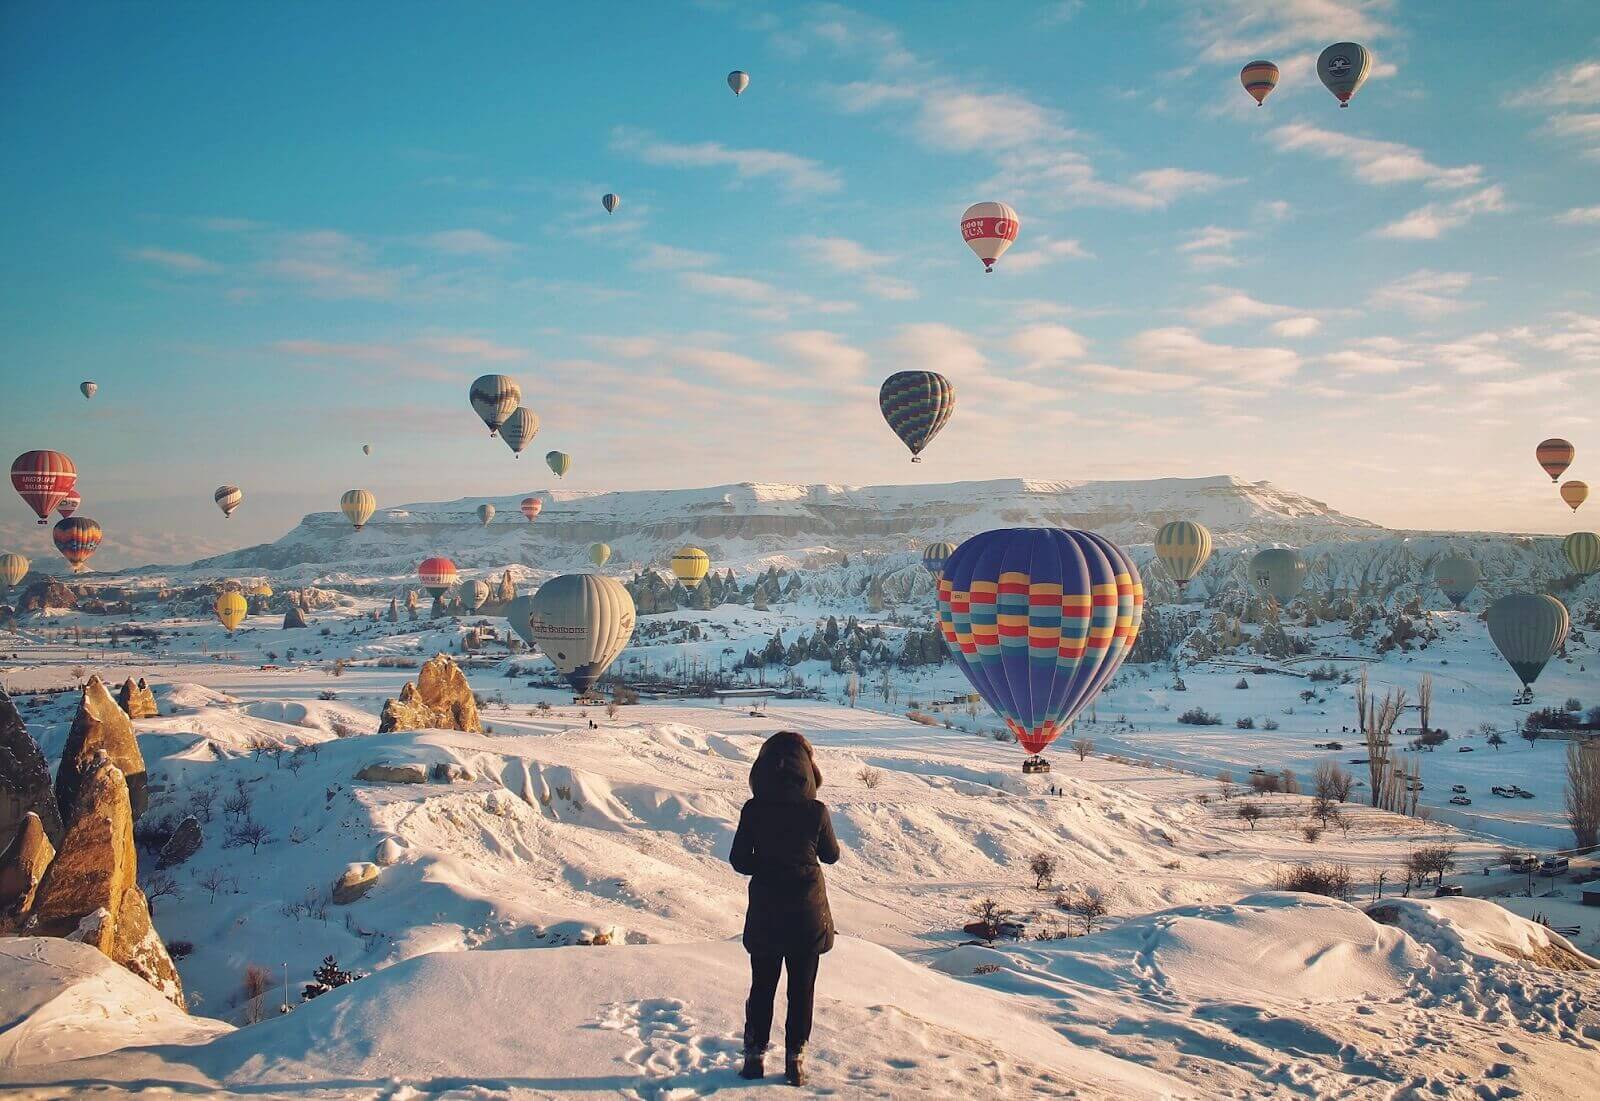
(784,831)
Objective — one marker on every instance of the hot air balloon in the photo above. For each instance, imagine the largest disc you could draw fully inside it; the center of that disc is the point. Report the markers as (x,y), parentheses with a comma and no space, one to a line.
(1183,547)
(69,504)
(13,568)
(559,462)
(88,389)
(231,608)
(42,478)
(1259,78)
(261,590)
(228,498)
(988,229)
(495,397)
(366,449)
(485,513)
(1528,629)
(1039,619)
(599,553)
(1278,573)
(610,202)
(581,621)
(1343,68)
(77,538)
(738,80)
(916,404)
(531,507)
(690,565)
(358,505)
(1582,549)
(437,575)
(1456,575)
(934,556)
(1574,493)
(477,595)
(519,428)
(1555,455)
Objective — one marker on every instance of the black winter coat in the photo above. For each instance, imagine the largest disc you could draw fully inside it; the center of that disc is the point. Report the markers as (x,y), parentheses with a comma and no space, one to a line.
(783,832)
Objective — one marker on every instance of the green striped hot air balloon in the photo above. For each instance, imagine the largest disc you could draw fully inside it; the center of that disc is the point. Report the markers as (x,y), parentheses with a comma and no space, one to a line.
(1183,547)
(1527,629)
(1582,549)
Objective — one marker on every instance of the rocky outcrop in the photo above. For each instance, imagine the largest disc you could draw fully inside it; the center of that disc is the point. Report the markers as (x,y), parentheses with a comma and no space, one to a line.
(355,882)
(382,772)
(100,727)
(47,596)
(90,891)
(184,843)
(23,865)
(448,772)
(439,699)
(390,852)
(24,778)
(137,700)
(293,618)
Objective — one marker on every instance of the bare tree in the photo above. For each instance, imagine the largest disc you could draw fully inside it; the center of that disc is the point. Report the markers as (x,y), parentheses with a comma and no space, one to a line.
(990,916)
(1425,702)
(870,778)
(1250,814)
(248,833)
(212,880)
(1225,784)
(1043,869)
(1323,808)
(237,805)
(1290,782)
(1376,721)
(160,885)
(1332,783)
(1082,747)
(1089,905)
(1583,793)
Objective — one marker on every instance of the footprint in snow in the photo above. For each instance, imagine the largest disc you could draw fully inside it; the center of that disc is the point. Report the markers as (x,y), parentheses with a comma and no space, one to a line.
(669,1045)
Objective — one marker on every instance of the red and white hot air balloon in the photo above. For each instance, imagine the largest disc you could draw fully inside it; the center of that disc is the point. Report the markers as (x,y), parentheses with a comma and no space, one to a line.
(69,504)
(437,574)
(532,506)
(988,229)
(42,479)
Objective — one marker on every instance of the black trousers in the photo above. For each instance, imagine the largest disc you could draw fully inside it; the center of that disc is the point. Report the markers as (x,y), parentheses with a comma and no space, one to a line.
(802,968)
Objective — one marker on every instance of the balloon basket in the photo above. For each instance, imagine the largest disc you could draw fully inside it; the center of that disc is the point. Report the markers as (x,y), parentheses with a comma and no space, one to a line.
(1034,764)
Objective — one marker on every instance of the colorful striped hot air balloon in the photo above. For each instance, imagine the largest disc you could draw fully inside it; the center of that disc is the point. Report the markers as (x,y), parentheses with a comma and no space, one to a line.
(531,507)
(582,622)
(69,504)
(559,462)
(916,404)
(610,202)
(988,229)
(690,566)
(13,568)
(77,538)
(1259,78)
(738,80)
(1343,68)
(1039,619)
(1582,549)
(599,553)
(231,608)
(1528,629)
(1456,575)
(437,574)
(1278,572)
(358,505)
(934,556)
(1183,547)
(1555,455)
(1574,493)
(228,498)
(42,478)
(519,428)
(494,398)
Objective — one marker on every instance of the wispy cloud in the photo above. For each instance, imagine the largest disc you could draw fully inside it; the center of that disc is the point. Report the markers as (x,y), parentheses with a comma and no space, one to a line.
(428,356)
(1435,219)
(334,265)
(1372,161)
(827,358)
(792,172)
(1211,247)
(1296,328)
(1581,131)
(1424,294)
(1573,86)
(1229,307)
(1234,29)
(1034,253)
(1186,352)
(846,255)
(1580,216)
(760,298)
(657,257)
(1047,345)
(185,263)
(467,242)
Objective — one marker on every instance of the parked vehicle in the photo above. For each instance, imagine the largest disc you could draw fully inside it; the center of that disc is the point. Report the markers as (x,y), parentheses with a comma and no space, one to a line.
(1554,866)
(1464,749)
(1524,794)
(1448,890)
(1525,863)
(1461,800)
(1460,789)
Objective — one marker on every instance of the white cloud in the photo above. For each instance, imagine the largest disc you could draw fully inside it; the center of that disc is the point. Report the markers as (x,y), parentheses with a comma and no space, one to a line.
(1424,294)
(1580,216)
(763,299)
(793,173)
(962,121)
(626,347)
(467,242)
(1055,177)
(1229,307)
(1581,130)
(843,254)
(1040,252)
(1573,86)
(1211,247)
(1127,380)
(655,257)
(1364,359)
(425,357)
(1186,352)
(1296,328)
(1047,345)
(1233,29)
(186,263)
(1373,161)
(1435,219)
(329,264)
(831,361)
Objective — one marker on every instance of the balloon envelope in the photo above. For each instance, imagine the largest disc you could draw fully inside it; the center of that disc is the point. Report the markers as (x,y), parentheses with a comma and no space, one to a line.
(41,479)
(77,538)
(69,504)
(1574,493)
(738,80)
(1456,575)
(437,575)
(610,202)
(1259,78)
(231,608)
(690,565)
(532,506)
(559,462)
(1278,573)
(581,621)
(988,229)
(358,505)
(366,449)
(228,498)
(494,398)
(1039,619)
(934,556)
(485,513)
(1343,68)
(599,553)
(916,405)
(88,388)
(13,568)
(1582,549)
(520,427)
(1555,455)
(1528,629)
(1183,547)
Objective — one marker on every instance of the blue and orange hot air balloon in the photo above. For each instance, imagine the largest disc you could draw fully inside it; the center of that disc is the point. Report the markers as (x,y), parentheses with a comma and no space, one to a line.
(1039,620)
(77,538)
(916,404)
(934,556)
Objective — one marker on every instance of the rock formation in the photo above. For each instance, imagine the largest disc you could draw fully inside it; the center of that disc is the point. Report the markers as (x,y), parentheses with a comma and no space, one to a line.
(357,880)
(184,843)
(383,772)
(137,700)
(90,891)
(24,778)
(100,726)
(439,699)
(46,596)
(293,618)
(22,866)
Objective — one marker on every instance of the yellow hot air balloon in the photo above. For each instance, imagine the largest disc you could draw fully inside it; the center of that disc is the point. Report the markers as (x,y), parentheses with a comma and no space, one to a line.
(231,610)
(1574,493)
(262,590)
(13,568)
(690,566)
(582,622)
(559,462)
(358,505)
(1183,547)
(1582,549)
(599,553)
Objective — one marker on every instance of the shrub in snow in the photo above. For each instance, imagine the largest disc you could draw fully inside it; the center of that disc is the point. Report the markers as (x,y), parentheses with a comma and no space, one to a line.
(326,977)
(1043,869)
(1246,723)
(1242,683)
(1250,814)
(1330,880)
(1199,716)
(870,778)
(1269,724)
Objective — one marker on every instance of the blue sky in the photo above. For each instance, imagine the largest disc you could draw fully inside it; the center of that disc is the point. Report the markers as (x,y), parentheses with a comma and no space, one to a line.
(273,233)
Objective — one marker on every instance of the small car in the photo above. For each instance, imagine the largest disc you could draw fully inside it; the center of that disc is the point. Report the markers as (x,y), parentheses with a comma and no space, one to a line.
(1448,890)
(1553,866)
(1461,800)
(1460,789)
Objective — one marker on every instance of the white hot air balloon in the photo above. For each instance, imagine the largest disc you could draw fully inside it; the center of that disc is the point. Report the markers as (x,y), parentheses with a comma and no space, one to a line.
(738,80)
(988,229)
(581,621)
(485,513)
(88,389)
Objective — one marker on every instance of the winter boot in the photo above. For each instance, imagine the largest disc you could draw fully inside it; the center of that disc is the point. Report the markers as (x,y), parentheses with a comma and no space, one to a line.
(753,1066)
(794,1071)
